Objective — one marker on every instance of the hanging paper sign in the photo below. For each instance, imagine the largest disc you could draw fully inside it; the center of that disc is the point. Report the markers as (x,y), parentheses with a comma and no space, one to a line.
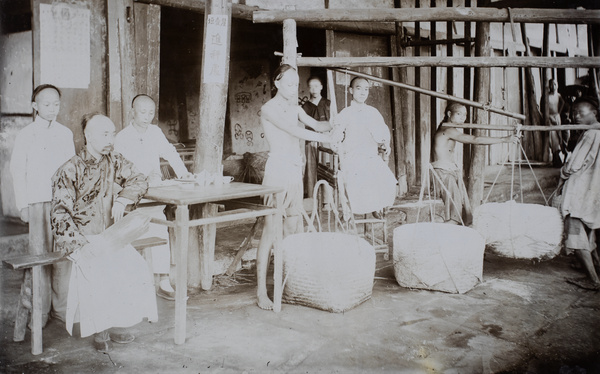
(65,45)
(215,49)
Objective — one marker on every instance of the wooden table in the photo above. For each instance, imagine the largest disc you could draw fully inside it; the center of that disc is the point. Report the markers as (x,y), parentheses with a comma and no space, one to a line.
(182,197)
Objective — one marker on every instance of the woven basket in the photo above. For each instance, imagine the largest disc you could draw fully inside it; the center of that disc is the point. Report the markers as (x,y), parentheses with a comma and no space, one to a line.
(329,271)
(438,257)
(520,231)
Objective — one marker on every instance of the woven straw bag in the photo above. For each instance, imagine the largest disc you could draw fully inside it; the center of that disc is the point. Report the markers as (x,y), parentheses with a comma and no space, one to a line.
(332,271)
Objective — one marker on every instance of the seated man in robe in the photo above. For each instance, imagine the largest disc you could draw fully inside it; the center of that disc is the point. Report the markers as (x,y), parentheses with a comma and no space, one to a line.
(107,284)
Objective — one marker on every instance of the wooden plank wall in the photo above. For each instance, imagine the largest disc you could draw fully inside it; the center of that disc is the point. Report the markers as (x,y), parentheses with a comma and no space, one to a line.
(77,102)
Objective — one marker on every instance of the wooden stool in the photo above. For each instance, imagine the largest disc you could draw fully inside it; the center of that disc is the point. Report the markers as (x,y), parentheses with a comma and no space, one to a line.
(33,264)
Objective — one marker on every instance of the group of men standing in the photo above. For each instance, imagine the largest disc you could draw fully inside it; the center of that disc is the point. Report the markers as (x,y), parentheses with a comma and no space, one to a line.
(106,284)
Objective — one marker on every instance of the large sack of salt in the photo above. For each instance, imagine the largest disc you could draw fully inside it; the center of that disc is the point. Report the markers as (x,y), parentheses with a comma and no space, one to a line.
(438,257)
(329,271)
(522,231)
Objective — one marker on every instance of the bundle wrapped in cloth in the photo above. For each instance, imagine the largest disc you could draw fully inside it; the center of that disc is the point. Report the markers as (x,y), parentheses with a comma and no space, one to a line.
(520,231)
(438,257)
(331,271)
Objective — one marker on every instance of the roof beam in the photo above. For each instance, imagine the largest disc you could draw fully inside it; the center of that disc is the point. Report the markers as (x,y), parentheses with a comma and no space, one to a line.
(237,10)
(524,15)
(445,61)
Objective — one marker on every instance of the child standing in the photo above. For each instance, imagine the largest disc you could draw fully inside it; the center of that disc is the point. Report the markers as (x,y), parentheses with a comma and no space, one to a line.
(40,149)
(144,144)
(369,182)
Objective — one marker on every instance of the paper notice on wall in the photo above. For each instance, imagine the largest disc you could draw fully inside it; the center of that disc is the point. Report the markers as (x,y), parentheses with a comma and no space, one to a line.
(65,45)
(215,49)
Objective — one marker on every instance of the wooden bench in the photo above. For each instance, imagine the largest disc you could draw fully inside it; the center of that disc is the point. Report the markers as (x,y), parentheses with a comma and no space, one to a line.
(34,263)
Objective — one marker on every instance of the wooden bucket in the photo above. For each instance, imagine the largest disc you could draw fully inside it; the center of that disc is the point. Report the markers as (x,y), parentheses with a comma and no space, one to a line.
(327,270)
(438,257)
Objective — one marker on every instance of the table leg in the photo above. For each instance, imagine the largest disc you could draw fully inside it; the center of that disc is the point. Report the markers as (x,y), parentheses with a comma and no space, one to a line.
(182,217)
(207,250)
(278,259)
(36,311)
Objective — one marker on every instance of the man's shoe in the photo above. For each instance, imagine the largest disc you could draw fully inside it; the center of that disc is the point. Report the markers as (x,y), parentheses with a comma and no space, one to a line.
(122,338)
(167,295)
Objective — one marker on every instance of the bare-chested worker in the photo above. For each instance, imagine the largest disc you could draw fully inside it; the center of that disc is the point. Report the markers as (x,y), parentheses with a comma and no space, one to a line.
(279,118)
(555,107)
(453,191)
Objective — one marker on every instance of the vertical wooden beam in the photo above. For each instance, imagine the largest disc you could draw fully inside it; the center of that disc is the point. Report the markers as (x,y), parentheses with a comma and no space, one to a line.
(408,145)
(397,123)
(449,53)
(290,43)
(593,37)
(126,32)
(482,95)
(213,91)
(467,92)
(114,62)
(433,80)
(147,50)
(545,74)
(208,154)
(417,114)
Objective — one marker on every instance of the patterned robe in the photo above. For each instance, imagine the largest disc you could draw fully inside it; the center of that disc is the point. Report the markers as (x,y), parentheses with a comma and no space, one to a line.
(109,288)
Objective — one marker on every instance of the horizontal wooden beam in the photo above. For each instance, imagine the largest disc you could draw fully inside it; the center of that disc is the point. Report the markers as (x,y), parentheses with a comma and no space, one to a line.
(439,95)
(445,61)
(523,128)
(237,10)
(525,15)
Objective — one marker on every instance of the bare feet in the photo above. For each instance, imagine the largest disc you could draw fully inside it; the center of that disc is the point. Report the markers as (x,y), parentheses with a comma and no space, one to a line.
(264,302)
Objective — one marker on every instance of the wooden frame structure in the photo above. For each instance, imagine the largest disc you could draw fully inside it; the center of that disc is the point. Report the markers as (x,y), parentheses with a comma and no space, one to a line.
(411,165)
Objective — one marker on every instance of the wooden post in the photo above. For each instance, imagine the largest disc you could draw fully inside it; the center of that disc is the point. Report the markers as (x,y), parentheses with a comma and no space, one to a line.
(594,50)
(482,95)
(546,73)
(535,116)
(208,154)
(147,50)
(407,124)
(397,125)
(467,93)
(290,43)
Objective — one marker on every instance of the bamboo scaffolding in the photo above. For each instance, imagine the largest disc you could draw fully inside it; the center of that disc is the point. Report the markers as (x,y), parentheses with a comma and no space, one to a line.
(440,95)
(445,61)
(454,14)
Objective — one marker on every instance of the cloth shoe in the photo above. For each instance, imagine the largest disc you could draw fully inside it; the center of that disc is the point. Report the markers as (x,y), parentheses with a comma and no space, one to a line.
(167,295)
(122,338)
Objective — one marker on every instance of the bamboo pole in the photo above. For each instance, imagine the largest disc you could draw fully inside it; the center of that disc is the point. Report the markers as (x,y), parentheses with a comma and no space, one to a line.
(443,61)
(522,128)
(457,14)
(440,95)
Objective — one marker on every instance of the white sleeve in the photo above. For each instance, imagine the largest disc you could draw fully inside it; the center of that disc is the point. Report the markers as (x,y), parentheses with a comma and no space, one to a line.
(169,153)
(18,169)
(379,130)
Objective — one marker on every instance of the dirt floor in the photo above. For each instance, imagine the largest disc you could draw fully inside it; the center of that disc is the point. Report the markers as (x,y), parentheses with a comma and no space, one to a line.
(522,318)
